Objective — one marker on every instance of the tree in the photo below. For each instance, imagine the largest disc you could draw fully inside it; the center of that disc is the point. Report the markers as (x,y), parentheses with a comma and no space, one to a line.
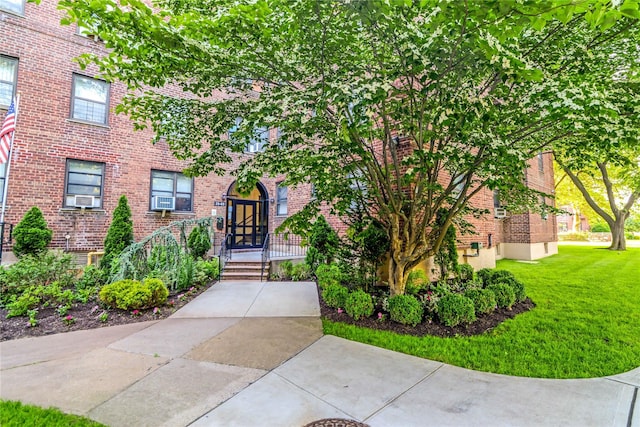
(119,235)
(396,108)
(608,152)
(32,234)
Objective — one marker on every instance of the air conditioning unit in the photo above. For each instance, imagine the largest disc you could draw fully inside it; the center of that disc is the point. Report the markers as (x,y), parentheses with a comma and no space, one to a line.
(163,203)
(500,213)
(83,201)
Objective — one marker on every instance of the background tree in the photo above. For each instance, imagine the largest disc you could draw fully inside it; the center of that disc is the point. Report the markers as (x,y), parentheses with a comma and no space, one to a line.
(401,107)
(31,234)
(119,235)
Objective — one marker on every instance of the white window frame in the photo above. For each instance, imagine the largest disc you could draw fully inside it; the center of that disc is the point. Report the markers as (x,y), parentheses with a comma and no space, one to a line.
(174,193)
(17,9)
(74,98)
(282,203)
(12,82)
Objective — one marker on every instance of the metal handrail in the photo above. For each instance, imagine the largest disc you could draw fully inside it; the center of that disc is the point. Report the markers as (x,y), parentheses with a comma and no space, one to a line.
(265,255)
(225,251)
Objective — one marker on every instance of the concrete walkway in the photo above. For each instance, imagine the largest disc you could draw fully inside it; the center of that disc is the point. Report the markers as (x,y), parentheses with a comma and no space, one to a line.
(253,354)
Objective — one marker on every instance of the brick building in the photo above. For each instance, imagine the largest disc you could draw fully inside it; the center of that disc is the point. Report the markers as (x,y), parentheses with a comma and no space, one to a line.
(73,156)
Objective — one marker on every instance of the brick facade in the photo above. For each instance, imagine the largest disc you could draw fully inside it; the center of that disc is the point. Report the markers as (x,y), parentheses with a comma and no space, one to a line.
(46,138)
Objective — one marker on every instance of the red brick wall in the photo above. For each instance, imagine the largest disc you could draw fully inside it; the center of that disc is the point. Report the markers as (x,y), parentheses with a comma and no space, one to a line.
(46,138)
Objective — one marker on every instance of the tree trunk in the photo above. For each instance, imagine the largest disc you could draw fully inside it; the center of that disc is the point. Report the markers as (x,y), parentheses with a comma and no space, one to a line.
(397,276)
(618,242)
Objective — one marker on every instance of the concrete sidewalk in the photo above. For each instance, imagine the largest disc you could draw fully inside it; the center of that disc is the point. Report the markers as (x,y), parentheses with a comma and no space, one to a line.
(253,354)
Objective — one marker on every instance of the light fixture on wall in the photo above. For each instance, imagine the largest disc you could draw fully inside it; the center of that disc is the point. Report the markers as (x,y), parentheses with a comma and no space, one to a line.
(396,140)
(224,197)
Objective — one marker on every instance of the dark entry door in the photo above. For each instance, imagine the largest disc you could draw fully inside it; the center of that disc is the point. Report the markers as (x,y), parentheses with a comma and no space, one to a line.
(246,224)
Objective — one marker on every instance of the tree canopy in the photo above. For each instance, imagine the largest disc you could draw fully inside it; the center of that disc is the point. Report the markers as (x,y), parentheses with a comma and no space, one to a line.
(417,105)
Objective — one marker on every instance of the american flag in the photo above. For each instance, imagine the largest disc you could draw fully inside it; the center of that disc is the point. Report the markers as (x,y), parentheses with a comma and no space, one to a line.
(8,127)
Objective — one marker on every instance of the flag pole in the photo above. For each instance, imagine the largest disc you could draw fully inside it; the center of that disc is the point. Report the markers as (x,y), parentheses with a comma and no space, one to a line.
(6,175)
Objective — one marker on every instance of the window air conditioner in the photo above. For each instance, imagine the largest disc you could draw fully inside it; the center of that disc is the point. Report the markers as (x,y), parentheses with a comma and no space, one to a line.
(163,203)
(500,213)
(83,201)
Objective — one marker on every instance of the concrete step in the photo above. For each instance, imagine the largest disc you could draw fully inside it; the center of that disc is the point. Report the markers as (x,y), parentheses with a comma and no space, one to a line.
(243,275)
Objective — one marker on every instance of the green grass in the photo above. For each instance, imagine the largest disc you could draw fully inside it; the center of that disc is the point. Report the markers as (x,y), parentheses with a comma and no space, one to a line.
(586,323)
(15,414)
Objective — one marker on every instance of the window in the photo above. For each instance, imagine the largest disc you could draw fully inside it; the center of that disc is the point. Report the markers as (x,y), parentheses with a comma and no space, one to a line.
(15,6)
(258,140)
(8,73)
(90,99)
(84,179)
(281,199)
(173,184)
(496,199)
(540,163)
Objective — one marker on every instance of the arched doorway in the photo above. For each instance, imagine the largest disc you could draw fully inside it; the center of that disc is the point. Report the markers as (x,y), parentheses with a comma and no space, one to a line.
(247,217)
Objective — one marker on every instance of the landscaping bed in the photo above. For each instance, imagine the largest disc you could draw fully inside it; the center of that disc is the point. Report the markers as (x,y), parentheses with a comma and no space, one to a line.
(87,316)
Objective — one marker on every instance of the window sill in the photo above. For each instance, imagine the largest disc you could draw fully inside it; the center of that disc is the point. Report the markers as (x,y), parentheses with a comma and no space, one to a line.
(12,13)
(172,213)
(94,211)
(282,216)
(84,122)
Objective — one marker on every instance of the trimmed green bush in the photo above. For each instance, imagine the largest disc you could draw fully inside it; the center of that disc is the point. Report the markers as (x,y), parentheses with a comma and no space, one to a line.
(119,234)
(416,281)
(501,276)
(335,295)
(328,274)
(359,304)
(484,275)
(484,300)
(199,242)
(505,297)
(465,272)
(454,309)
(405,309)
(131,294)
(31,234)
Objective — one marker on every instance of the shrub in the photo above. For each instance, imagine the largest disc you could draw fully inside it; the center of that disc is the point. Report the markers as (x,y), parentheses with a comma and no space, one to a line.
(484,275)
(416,281)
(91,276)
(405,309)
(484,300)
(328,274)
(454,309)
(186,272)
(199,242)
(119,234)
(465,272)
(335,295)
(39,295)
(210,269)
(42,269)
(31,234)
(286,269)
(300,271)
(132,295)
(359,304)
(518,289)
(324,243)
(600,227)
(501,276)
(505,297)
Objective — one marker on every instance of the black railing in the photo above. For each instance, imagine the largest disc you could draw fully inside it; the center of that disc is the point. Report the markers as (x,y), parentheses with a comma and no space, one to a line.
(225,250)
(265,255)
(286,246)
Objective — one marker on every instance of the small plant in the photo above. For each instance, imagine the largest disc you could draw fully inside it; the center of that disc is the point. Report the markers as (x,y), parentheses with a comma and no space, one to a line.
(335,295)
(32,236)
(416,282)
(328,274)
(69,320)
(63,310)
(454,309)
(300,271)
(465,272)
(405,309)
(484,300)
(324,243)
(131,294)
(136,313)
(359,304)
(286,269)
(92,277)
(35,296)
(199,242)
(103,317)
(33,322)
(518,289)
(505,297)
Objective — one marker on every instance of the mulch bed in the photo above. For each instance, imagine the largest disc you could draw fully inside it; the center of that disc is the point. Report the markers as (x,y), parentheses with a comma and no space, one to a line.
(483,324)
(87,316)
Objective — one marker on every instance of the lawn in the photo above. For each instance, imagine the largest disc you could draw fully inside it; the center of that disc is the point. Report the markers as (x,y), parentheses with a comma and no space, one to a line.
(586,323)
(15,414)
